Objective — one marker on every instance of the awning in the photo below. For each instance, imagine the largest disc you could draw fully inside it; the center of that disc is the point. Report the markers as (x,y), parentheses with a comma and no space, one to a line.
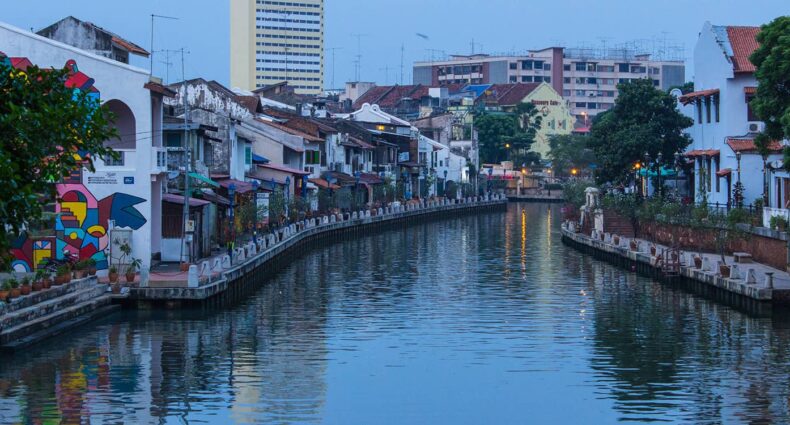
(702,153)
(724,172)
(368,178)
(257,159)
(691,97)
(747,145)
(284,169)
(323,184)
(217,199)
(178,199)
(750,90)
(241,186)
(204,179)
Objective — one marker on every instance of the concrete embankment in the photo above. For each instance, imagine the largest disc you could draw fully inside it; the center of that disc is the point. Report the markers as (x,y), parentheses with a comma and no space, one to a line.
(754,282)
(250,263)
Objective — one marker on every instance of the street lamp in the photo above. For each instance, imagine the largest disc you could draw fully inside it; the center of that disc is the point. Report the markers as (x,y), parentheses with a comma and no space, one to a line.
(357,175)
(490,176)
(287,196)
(444,184)
(659,161)
(646,178)
(255,186)
(231,217)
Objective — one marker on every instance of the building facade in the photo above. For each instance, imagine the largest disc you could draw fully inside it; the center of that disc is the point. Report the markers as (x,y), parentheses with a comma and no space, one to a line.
(274,41)
(586,78)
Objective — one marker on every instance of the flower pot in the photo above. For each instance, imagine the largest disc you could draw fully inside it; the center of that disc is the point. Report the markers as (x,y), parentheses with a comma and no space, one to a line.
(113,277)
(79,274)
(633,246)
(185,267)
(37,286)
(62,279)
(46,283)
(698,262)
(92,271)
(130,277)
(15,293)
(25,290)
(616,240)
(724,270)
(653,251)
(116,288)
(3,295)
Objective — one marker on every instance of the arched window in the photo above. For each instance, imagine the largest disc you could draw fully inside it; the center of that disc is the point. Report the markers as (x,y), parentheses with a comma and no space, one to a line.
(125,125)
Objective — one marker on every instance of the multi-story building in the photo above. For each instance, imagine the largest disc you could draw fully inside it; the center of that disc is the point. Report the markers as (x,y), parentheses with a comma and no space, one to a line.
(275,41)
(586,78)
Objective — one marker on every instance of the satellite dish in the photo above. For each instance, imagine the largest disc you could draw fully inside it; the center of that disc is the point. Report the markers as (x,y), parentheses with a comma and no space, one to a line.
(777,164)
(173,175)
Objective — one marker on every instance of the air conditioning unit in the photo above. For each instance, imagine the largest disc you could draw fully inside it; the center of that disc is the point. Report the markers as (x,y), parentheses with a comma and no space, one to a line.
(756,127)
(337,167)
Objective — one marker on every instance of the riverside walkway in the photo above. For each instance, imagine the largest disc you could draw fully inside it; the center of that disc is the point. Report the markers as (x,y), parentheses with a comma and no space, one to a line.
(751,280)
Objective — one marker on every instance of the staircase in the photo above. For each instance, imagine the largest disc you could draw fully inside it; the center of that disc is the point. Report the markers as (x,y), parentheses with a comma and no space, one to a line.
(40,315)
(617,225)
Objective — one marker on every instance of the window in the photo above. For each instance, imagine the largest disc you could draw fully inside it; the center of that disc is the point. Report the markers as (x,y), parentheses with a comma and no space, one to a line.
(547,67)
(716,105)
(622,67)
(538,64)
(247,155)
(581,104)
(605,68)
(580,80)
(707,109)
(580,93)
(110,162)
(526,65)
(538,79)
(592,105)
(699,111)
(546,79)
(592,80)
(566,93)
(566,80)
(750,115)
(718,179)
(636,69)
(654,71)
(623,81)
(527,78)
(513,65)
(607,81)
(656,83)
(513,79)
(173,140)
(312,157)
(566,67)
(592,67)
(581,66)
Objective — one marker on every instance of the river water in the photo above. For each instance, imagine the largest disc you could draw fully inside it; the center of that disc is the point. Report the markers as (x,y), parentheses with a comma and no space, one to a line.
(485,319)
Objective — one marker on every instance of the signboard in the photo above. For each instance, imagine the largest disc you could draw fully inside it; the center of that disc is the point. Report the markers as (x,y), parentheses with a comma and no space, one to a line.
(190,226)
(403,157)
(262,203)
(128,180)
(108,178)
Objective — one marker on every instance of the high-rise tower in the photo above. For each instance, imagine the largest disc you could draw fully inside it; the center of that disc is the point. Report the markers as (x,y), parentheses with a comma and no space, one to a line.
(275,41)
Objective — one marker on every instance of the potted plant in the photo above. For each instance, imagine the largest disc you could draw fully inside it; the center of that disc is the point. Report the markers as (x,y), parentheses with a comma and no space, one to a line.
(116,288)
(653,250)
(698,261)
(37,285)
(5,290)
(131,271)
(25,287)
(63,274)
(91,267)
(14,292)
(43,278)
(724,270)
(616,240)
(113,274)
(80,269)
(633,245)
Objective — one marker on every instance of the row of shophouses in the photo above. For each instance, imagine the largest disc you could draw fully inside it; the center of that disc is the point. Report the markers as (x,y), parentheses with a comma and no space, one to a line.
(723,151)
(202,147)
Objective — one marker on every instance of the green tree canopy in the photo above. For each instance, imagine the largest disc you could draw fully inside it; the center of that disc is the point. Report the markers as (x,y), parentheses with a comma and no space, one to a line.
(47,130)
(643,120)
(510,135)
(569,151)
(772,100)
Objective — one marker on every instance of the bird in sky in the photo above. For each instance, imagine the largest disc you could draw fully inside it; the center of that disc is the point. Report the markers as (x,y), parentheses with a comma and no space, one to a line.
(423,36)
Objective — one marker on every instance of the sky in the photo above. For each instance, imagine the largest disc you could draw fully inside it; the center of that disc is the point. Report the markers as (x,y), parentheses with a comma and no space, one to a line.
(389,28)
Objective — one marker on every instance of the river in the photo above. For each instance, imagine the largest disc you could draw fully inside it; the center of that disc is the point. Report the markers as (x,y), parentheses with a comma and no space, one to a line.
(482,319)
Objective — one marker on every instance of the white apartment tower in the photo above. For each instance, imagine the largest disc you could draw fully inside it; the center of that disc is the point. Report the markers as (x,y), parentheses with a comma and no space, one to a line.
(274,41)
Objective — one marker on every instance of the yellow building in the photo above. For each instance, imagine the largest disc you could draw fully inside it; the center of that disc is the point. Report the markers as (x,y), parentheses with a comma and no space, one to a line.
(557,118)
(275,41)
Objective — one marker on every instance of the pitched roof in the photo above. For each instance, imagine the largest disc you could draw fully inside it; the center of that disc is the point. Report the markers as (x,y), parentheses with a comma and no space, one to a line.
(117,39)
(702,152)
(690,97)
(743,41)
(509,94)
(747,145)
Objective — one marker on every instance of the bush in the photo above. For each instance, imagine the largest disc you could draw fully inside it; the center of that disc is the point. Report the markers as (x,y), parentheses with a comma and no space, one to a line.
(573,192)
(778,223)
(738,215)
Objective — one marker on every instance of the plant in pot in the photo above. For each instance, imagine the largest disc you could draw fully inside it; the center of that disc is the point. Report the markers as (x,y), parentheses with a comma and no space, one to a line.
(43,276)
(653,250)
(91,267)
(5,290)
(113,274)
(25,288)
(63,274)
(131,271)
(80,269)
(14,292)
(616,240)
(38,283)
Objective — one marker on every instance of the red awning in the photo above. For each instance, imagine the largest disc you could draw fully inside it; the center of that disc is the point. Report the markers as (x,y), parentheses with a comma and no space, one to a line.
(748,146)
(241,186)
(724,172)
(690,97)
(323,184)
(750,90)
(284,169)
(702,152)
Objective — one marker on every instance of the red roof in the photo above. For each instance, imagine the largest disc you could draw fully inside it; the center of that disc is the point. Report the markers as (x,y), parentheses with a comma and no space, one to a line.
(391,96)
(744,42)
(702,152)
(582,130)
(509,94)
(131,47)
(747,145)
(290,130)
(241,186)
(750,90)
(324,184)
(21,63)
(690,97)
(158,88)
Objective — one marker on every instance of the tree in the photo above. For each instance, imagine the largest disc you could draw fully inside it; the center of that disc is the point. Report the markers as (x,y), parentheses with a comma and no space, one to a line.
(643,120)
(772,99)
(48,130)
(509,136)
(569,151)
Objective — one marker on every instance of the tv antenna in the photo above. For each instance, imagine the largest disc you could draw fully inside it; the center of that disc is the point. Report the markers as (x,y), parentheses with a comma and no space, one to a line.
(358,71)
(153,18)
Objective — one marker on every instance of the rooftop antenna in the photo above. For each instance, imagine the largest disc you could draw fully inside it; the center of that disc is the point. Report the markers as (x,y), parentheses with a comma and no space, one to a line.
(386,70)
(153,17)
(358,74)
(333,50)
(402,53)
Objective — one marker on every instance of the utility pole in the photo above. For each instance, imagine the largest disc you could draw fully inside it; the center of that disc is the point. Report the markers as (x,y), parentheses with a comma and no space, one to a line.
(402,54)
(152,36)
(188,161)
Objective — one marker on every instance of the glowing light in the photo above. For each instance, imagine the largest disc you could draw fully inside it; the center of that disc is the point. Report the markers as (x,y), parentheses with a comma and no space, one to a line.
(574,171)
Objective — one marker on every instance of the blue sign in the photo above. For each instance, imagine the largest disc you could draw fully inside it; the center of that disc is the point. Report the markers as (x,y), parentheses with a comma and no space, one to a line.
(128,180)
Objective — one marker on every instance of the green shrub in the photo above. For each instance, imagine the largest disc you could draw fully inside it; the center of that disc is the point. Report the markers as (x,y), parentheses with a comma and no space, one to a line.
(778,223)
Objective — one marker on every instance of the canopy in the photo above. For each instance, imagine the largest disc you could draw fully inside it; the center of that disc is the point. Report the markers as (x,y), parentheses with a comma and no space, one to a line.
(204,179)
(665,172)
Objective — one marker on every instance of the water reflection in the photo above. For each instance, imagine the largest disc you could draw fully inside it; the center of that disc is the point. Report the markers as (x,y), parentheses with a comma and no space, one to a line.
(483,319)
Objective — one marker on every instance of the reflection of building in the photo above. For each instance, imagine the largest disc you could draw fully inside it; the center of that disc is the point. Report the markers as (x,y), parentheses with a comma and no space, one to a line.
(123,192)
(275,41)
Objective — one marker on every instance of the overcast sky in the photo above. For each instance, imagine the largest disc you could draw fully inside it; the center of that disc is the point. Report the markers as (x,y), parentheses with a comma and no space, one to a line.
(496,26)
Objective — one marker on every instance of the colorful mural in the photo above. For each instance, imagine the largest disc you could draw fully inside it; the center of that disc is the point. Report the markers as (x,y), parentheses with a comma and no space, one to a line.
(82,221)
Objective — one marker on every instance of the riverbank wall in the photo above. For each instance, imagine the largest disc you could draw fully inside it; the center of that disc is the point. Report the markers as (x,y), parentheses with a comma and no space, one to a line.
(747,285)
(250,264)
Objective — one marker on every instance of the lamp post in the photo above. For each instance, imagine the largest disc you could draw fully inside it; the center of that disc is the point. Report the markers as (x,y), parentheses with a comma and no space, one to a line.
(444,184)
(357,175)
(738,192)
(646,178)
(231,218)
(659,161)
(490,176)
(255,186)
(287,197)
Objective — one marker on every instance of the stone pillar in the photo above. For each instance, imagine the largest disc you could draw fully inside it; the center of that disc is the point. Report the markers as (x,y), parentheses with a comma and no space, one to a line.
(193,281)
